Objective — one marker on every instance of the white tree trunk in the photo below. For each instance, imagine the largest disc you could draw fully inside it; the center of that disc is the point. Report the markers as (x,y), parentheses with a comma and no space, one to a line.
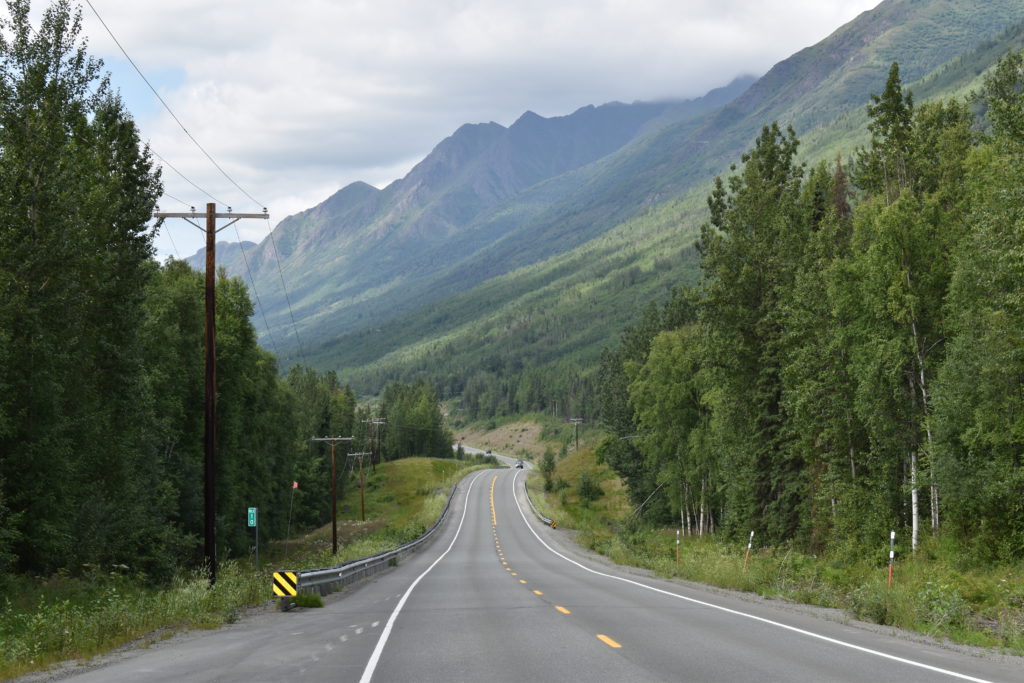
(920,355)
(914,516)
(700,527)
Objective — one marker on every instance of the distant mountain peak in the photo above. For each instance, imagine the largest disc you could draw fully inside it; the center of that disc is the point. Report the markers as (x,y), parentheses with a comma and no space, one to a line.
(528,117)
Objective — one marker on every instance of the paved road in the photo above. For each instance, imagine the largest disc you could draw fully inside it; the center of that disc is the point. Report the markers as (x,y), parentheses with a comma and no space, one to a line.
(501,597)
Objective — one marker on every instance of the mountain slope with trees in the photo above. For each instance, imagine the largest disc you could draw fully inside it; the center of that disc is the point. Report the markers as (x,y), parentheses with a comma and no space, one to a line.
(364,255)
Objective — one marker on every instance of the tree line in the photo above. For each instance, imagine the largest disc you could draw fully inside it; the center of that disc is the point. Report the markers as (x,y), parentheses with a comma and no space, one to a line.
(851,361)
(101,348)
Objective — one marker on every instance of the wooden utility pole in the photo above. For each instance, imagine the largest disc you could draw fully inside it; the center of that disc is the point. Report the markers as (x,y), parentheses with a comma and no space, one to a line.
(210,429)
(576,421)
(375,439)
(334,441)
(362,484)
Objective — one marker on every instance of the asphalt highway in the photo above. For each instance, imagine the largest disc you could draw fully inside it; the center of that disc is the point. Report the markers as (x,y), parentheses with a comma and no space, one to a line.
(498,596)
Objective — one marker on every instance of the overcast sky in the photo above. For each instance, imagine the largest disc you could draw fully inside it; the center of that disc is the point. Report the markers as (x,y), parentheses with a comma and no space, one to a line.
(298,99)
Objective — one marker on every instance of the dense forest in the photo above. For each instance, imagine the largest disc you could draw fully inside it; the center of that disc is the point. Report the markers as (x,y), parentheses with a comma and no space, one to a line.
(101,349)
(851,361)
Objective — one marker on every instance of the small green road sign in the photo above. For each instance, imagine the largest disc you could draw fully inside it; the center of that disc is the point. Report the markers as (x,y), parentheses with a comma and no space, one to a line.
(252,516)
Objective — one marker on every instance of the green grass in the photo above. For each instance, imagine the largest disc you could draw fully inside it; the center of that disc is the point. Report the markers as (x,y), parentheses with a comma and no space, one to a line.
(77,617)
(46,621)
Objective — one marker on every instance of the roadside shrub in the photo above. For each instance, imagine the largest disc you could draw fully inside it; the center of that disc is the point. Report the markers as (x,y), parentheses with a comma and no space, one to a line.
(588,489)
(941,604)
(871,602)
(308,600)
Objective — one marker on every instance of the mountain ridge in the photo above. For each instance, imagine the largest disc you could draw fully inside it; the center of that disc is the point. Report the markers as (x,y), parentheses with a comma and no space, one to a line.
(450,203)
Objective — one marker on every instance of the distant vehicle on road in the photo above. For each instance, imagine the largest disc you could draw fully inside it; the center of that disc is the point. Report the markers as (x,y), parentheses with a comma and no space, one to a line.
(488,451)
(519,464)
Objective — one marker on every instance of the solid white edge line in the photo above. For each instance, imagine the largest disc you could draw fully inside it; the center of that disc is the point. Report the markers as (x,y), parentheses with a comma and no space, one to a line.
(371,665)
(794,629)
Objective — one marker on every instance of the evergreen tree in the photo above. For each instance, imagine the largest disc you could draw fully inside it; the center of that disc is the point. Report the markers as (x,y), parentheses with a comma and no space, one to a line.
(978,400)
(883,168)
(76,191)
(818,387)
(748,249)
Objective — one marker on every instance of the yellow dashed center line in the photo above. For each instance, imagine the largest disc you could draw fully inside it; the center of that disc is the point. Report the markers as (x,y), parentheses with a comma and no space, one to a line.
(564,611)
(522,580)
(538,592)
(607,641)
(494,516)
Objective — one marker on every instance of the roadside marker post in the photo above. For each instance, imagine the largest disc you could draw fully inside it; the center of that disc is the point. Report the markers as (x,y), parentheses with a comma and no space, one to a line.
(892,553)
(750,544)
(677,549)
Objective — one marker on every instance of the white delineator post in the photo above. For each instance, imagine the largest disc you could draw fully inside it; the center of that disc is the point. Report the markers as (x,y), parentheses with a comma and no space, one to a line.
(892,553)
(750,544)
(677,548)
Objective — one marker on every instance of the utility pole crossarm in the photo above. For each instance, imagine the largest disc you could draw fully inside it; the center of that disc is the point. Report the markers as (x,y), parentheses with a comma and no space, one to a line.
(196,214)
(211,216)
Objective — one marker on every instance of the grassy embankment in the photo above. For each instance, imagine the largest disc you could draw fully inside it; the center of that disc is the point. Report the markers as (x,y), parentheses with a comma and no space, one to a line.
(66,616)
(935,591)
(525,436)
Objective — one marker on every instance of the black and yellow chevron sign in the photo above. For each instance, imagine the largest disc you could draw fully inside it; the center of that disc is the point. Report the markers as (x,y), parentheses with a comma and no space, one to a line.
(285,584)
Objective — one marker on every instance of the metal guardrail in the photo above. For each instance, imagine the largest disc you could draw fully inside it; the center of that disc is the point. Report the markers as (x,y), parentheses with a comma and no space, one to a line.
(329,579)
(546,520)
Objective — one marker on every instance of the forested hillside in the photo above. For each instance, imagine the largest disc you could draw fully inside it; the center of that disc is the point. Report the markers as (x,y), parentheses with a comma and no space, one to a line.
(849,362)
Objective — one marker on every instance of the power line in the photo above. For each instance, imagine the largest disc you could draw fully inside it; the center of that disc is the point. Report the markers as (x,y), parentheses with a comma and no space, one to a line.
(185,178)
(252,280)
(152,151)
(213,161)
(169,111)
(180,201)
(288,300)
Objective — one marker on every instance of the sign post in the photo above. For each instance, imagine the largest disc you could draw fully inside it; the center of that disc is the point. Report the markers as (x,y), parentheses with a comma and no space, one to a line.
(254,523)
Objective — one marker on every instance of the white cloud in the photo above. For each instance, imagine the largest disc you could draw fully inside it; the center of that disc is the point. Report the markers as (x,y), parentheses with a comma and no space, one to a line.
(298,99)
